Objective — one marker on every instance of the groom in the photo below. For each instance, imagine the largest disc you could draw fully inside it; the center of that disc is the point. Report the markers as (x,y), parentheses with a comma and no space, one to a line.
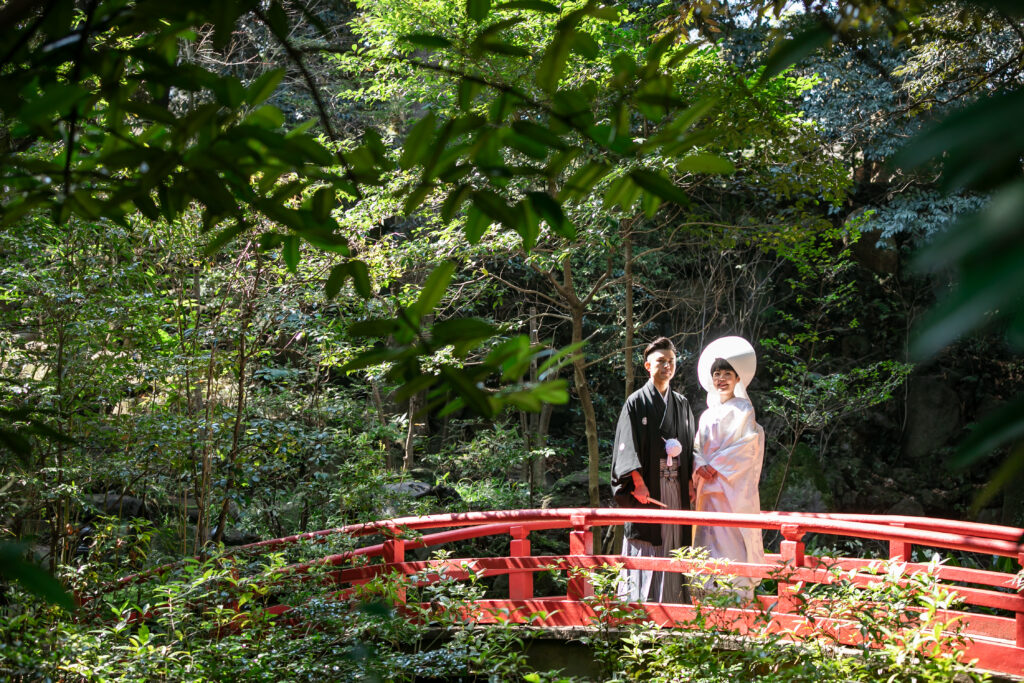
(652,459)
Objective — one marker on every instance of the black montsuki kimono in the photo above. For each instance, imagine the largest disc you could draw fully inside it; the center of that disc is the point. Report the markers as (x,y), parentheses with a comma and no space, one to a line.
(644,425)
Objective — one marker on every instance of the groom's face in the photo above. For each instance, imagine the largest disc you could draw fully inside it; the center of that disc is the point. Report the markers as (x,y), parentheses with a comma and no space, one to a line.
(661,365)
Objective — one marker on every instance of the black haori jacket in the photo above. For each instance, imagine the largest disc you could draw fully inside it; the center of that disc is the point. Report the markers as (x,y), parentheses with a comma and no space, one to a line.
(644,425)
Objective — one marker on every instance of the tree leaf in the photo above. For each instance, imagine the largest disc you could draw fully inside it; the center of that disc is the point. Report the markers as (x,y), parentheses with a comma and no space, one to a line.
(433,289)
(540,134)
(660,186)
(323,203)
(552,64)
(499,47)
(529,225)
(378,327)
(583,180)
(361,278)
(415,198)
(267,116)
(551,211)
(982,143)
(535,5)
(225,236)
(460,330)
(336,280)
(657,51)
(417,142)
(792,51)
(263,86)
(1008,474)
(495,208)
(355,269)
(290,252)
(468,90)
(477,10)
(705,163)
(1003,425)
(34,579)
(476,224)
(988,251)
(557,359)
(584,45)
(467,389)
(555,391)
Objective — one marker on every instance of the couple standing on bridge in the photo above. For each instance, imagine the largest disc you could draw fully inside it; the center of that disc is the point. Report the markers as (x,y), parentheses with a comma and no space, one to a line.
(661,457)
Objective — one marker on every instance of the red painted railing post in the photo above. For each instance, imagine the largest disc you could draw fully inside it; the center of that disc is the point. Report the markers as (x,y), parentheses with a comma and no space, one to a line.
(792,549)
(1020,615)
(394,551)
(792,553)
(900,550)
(520,583)
(581,542)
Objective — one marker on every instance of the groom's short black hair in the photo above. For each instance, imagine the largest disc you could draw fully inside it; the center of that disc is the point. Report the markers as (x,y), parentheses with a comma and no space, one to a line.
(659,344)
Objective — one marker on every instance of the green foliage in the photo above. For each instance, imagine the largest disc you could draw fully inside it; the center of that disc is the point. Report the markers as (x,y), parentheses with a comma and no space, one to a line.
(161,628)
(812,395)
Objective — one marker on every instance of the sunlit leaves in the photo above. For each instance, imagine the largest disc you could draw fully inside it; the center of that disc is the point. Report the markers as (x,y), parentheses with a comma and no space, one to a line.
(452,385)
(428,40)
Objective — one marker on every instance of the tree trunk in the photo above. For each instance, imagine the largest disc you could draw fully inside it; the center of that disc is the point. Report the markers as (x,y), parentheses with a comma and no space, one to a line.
(240,403)
(627,255)
(590,417)
(579,366)
(536,436)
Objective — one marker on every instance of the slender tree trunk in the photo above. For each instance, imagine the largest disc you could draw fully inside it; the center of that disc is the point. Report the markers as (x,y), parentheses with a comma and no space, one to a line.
(627,255)
(417,412)
(57,511)
(203,489)
(590,416)
(538,422)
(240,404)
(409,456)
(579,366)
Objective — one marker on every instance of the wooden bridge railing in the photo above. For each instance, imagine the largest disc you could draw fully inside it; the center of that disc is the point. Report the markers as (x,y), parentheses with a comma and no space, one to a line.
(995,641)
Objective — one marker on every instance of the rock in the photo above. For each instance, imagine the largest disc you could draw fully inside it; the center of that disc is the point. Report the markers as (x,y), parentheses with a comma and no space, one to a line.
(875,254)
(933,418)
(580,478)
(906,506)
(444,494)
(413,489)
(236,537)
(113,503)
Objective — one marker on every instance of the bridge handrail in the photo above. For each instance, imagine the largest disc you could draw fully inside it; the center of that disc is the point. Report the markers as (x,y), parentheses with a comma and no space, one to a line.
(982,538)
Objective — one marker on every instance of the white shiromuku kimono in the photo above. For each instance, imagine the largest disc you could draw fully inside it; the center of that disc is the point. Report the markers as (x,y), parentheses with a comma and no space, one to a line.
(730,440)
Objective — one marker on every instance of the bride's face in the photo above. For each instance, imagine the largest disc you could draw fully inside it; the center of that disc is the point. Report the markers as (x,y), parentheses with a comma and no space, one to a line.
(725,382)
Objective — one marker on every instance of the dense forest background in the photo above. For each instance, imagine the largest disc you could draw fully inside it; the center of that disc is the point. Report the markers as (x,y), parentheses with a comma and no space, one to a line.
(200,352)
(273,267)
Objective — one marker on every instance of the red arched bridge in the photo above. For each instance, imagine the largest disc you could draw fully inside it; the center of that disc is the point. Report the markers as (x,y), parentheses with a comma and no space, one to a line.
(991,614)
